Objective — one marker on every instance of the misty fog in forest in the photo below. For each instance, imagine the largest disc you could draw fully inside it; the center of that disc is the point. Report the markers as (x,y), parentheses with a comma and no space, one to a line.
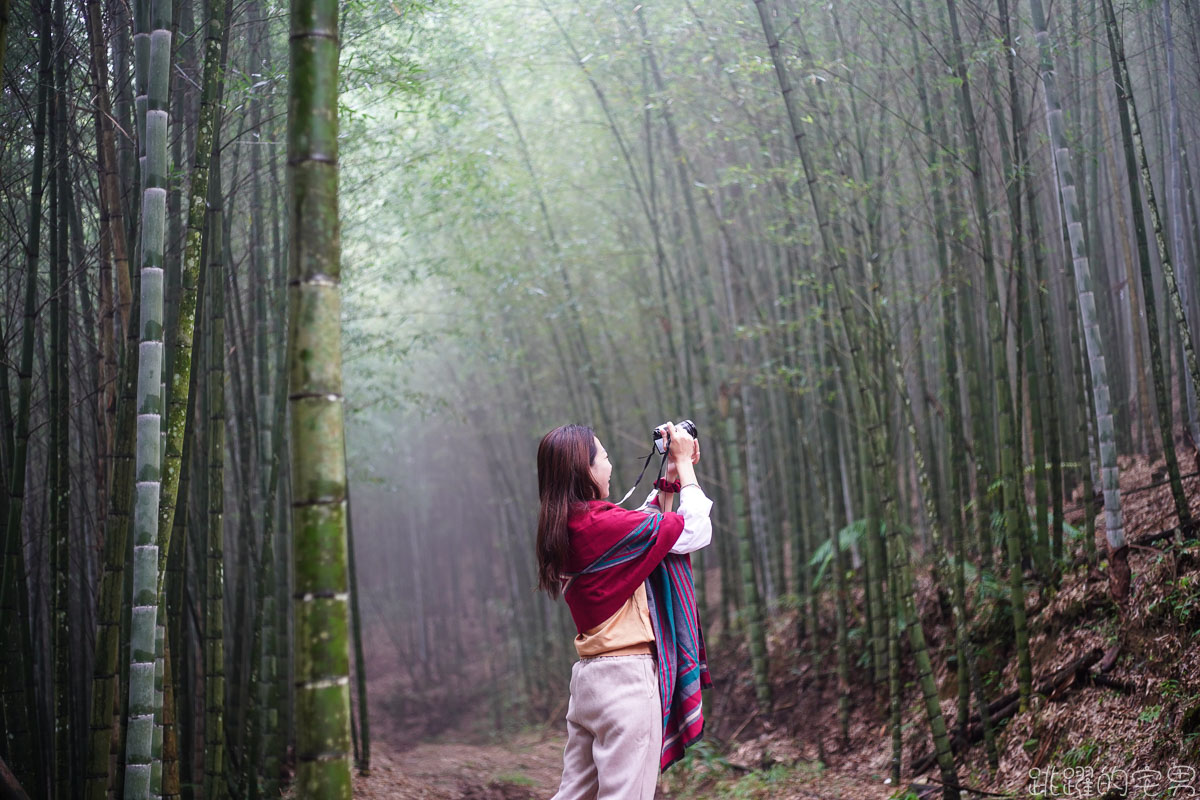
(923,273)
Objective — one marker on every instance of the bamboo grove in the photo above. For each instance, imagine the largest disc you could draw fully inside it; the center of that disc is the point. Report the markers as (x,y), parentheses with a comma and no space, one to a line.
(923,272)
(150,647)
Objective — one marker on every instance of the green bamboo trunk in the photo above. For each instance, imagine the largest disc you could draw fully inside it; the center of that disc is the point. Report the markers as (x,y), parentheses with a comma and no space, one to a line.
(1178,209)
(1013,501)
(756,620)
(185,328)
(4,15)
(874,418)
(1158,365)
(153,46)
(214,580)
(829,493)
(114,245)
(191,278)
(360,664)
(738,448)
(158,737)
(105,709)
(1039,397)
(318,467)
(59,402)
(1050,390)
(276,537)
(955,438)
(1013,158)
(21,719)
(1137,164)
(894,606)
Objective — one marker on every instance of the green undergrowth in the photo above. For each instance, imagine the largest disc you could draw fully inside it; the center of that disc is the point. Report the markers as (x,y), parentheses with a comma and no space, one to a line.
(705,772)
(515,779)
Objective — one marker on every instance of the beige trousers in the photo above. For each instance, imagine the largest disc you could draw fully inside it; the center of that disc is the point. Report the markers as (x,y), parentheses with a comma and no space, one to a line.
(614,730)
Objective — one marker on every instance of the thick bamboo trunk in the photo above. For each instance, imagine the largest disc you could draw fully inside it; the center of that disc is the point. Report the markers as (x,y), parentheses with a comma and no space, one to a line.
(153,47)
(1115,526)
(318,468)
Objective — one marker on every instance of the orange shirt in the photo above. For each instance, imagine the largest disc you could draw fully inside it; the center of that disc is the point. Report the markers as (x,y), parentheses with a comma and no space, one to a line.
(628,627)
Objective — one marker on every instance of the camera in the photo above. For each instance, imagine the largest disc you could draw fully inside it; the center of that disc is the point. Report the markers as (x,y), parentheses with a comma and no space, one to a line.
(661,437)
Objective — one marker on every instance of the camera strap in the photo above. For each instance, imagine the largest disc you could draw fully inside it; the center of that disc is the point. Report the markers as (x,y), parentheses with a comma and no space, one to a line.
(661,466)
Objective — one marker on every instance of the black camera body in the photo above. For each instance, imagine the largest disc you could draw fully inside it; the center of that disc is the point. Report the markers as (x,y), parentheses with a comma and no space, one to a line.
(661,437)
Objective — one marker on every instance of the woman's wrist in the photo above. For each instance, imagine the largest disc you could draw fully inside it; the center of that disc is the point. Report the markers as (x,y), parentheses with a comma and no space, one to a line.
(685,472)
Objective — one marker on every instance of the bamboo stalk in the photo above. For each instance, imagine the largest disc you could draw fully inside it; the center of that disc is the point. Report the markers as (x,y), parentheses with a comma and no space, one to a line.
(318,468)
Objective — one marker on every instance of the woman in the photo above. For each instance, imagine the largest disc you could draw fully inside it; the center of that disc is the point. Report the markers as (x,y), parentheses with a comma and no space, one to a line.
(626,577)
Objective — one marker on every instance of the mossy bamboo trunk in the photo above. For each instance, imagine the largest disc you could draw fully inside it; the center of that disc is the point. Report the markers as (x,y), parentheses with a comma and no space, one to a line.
(184,328)
(191,277)
(318,467)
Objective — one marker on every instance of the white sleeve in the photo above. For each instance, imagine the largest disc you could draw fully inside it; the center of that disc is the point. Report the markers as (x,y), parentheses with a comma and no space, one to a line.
(695,506)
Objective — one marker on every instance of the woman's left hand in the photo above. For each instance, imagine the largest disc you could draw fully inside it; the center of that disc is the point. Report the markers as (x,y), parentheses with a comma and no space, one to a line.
(673,473)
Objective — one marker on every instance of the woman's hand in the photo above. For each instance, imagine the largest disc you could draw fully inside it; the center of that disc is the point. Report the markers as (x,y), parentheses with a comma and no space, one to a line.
(683,447)
(673,472)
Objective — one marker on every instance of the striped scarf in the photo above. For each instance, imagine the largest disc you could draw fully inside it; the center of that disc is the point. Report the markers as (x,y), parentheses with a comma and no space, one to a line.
(637,551)
(682,665)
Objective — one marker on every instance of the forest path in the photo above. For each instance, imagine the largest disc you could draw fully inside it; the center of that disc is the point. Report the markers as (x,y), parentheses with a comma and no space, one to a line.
(528,766)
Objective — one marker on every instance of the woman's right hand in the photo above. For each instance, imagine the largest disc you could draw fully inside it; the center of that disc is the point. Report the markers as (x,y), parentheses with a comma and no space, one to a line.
(683,446)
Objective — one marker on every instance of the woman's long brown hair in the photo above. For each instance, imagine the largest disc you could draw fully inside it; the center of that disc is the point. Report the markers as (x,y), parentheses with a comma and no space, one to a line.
(564,462)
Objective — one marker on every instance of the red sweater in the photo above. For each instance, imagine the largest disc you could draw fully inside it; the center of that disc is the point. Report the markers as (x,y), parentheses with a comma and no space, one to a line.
(605,532)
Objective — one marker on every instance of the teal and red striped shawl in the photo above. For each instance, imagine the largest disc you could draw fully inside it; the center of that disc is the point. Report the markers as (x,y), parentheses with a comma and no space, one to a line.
(613,550)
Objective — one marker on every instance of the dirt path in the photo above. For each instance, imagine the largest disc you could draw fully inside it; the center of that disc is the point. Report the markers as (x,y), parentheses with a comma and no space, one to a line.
(528,767)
